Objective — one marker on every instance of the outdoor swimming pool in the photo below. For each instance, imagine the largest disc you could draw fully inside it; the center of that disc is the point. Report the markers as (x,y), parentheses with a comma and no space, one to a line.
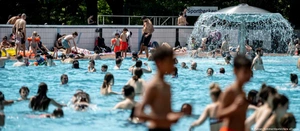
(190,87)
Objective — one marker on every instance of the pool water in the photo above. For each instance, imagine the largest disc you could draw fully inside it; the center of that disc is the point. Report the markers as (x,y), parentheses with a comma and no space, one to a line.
(190,87)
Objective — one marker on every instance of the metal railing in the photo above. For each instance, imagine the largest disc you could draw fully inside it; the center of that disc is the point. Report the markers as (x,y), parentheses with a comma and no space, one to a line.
(136,20)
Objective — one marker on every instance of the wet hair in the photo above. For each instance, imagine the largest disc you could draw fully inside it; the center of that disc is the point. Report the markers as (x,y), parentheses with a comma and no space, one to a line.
(241,61)
(228,58)
(117,34)
(92,61)
(125,29)
(62,76)
(41,100)
(128,90)
(265,91)
(19,57)
(222,70)
(215,92)
(162,53)
(258,50)
(58,112)
(2,98)
(251,95)
(214,85)
(294,78)
(4,38)
(135,55)
(138,72)
(75,64)
(104,66)
(75,33)
(24,88)
(287,119)
(107,78)
(138,63)
(176,71)
(212,70)
(279,99)
(118,61)
(181,13)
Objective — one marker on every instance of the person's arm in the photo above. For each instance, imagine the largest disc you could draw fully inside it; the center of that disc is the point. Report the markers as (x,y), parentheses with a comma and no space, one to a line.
(201,119)
(131,68)
(253,63)
(227,109)
(118,106)
(261,120)
(45,48)
(250,121)
(75,45)
(8,102)
(267,125)
(149,70)
(10,20)
(53,102)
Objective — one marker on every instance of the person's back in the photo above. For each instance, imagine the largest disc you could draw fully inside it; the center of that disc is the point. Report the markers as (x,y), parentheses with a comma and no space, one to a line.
(128,103)
(233,103)
(137,82)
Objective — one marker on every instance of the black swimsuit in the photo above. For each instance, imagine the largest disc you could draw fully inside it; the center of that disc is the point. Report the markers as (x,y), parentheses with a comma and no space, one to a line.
(146,40)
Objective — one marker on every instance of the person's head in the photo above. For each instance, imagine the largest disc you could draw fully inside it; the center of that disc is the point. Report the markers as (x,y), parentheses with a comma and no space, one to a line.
(242,68)
(267,93)
(183,64)
(23,16)
(117,35)
(92,63)
(294,78)
(108,78)
(58,112)
(20,58)
(104,68)
(215,91)
(4,38)
(19,15)
(210,71)
(163,58)
(125,30)
(128,91)
(253,97)
(144,19)
(138,72)
(181,14)
(288,121)
(43,88)
(37,57)
(76,64)
(186,109)
(175,72)
(24,91)
(34,33)
(227,59)
(222,70)
(75,34)
(64,79)
(194,66)
(280,103)
(258,51)
(118,62)
(135,56)
(138,63)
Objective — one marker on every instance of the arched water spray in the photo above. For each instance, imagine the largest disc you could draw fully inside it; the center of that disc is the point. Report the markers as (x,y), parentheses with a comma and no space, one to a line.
(244,23)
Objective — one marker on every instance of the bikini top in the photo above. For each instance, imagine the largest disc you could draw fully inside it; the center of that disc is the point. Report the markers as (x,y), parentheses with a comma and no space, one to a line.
(214,120)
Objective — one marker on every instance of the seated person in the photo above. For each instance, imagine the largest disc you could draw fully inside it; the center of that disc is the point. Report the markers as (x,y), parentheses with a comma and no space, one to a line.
(139,64)
(104,68)
(118,63)
(24,92)
(4,44)
(128,103)
(183,65)
(57,113)
(20,61)
(66,60)
(41,47)
(40,60)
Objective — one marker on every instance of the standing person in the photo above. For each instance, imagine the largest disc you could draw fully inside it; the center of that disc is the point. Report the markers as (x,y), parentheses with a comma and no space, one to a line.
(20,32)
(147,34)
(233,103)
(91,21)
(158,94)
(257,63)
(115,44)
(34,43)
(124,43)
(225,47)
(13,20)
(181,21)
(67,44)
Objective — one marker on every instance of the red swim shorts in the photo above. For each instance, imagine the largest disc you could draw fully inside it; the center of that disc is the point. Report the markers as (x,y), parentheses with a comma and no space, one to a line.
(124,46)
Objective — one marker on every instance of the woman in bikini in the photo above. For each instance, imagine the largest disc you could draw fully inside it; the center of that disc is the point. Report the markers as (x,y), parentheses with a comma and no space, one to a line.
(211,110)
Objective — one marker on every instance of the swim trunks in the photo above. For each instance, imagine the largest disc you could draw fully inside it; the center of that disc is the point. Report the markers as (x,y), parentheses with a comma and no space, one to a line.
(160,129)
(145,40)
(124,46)
(65,43)
(226,129)
(118,54)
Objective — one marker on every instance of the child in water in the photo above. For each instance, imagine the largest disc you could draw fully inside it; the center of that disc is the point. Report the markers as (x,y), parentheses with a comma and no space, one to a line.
(91,67)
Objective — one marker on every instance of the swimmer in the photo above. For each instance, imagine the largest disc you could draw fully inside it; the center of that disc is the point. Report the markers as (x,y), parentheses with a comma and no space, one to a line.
(40,60)
(233,104)
(227,61)
(104,68)
(57,113)
(253,99)
(257,63)
(175,73)
(20,61)
(183,65)
(64,79)
(108,82)
(210,71)
(49,60)
(187,109)
(75,64)
(24,92)
(118,64)
(222,70)
(128,103)
(81,101)
(91,67)
(288,121)
(294,80)
(193,66)
(137,82)
(66,60)
(138,65)
(211,110)
(262,113)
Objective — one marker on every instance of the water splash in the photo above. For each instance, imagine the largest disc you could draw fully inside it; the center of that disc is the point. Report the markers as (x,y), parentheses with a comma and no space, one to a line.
(267,30)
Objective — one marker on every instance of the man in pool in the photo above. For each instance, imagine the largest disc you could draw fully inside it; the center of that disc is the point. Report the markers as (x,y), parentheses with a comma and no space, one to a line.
(104,68)
(3,60)
(118,64)
(194,66)
(257,63)
(20,61)
(158,94)
(138,64)
(128,103)
(64,79)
